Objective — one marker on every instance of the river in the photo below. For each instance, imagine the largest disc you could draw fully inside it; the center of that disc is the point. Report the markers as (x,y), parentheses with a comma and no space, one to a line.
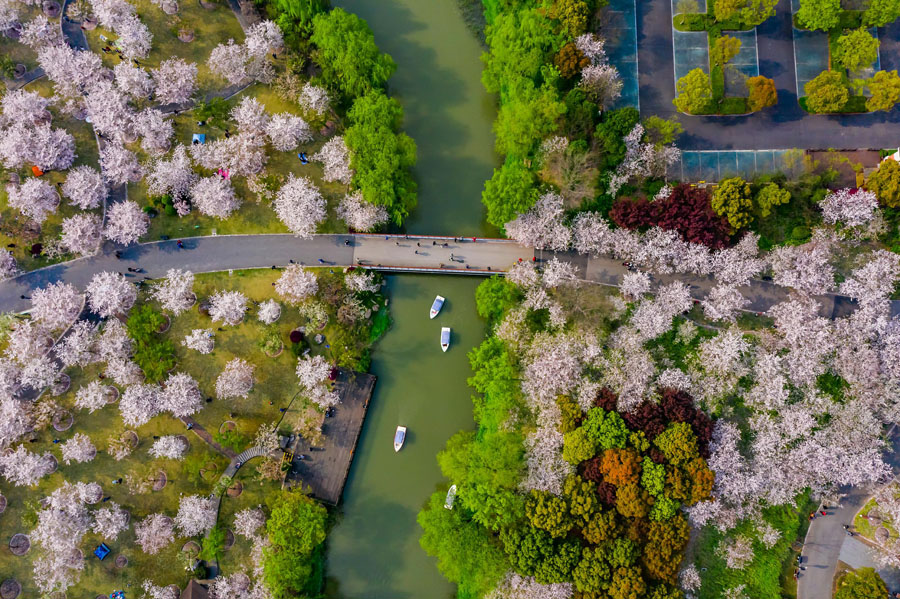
(373,550)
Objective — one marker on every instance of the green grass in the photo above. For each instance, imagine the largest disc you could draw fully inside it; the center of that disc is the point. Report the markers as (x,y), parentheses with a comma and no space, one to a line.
(17,52)
(864,527)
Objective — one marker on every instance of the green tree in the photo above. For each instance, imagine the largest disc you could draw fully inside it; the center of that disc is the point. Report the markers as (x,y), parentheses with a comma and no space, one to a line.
(662,553)
(622,552)
(749,12)
(155,355)
(864,583)
(295,17)
(661,132)
(592,574)
(520,42)
(570,60)
(603,526)
(509,192)
(526,547)
(548,512)
(296,529)
(466,553)
(827,92)
(664,507)
(528,116)
(611,131)
(632,501)
(678,443)
(819,14)
(653,477)
(582,499)
(494,297)
(627,583)
(881,12)
(496,379)
(558,565)
(572,15)
(762,93)
(211,545)
(347,53)
(885,182)
(885,90)
(607,429)
(725,48)
(732,200)
(856,49)
(578,446)
(380,154)
(694,92)
(769,196)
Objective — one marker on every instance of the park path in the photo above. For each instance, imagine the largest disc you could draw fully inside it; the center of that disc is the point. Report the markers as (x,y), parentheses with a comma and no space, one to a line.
(784,126)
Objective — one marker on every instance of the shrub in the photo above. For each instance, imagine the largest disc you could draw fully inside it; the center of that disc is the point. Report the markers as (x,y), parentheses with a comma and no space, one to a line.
(827,92)
(864,583)
(762,93)
(885,90)
(819,14)
(856,49)
(693,92)
(769,196)
(885,182)
(732,201)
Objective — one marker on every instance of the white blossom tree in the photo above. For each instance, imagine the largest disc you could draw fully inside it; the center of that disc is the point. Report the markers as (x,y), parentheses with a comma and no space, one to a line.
(25,106)
(175,293)
(27,340)
(601,83)
(70,70)
(123,372)
(109,521)
(516,586)
(169,446)
(263,37)
(23,468)
(234,585)
(8,265)
(15,420)
(108,110)
(804,267)
(114,342)
(314,98)
(133,80)
(176,81)
(251,116)
(236,379)
(56,305)
(173,176)
(723,303)
(214,196)
(852,207)
(81,234)
(77,348)
(200,340)
(135,39)
(227,306)
(35,198)
(542,227)
(110,293)
(84,187)
(152,591)
(314,374)
(269,311)
(125,222)
(78,449)
(139,403)
(196,515)
(362,281)
(286,131)
(335,158)
(247,522)
(154,532)
(228,61)
(296,284)
(181,395)
(634,285)
(155,130)
(92,396)
(50,149)
(40,32)
(119,165)
(39,372)
(300,206)
(359,214)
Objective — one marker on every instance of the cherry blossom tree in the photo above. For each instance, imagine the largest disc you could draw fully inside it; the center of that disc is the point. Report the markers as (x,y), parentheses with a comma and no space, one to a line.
(27,340)
(56,305)
(111,13)
(314,98)
(114,342)
(135,39)
(123,372)
(81,234)
(40,32)
(175,293)
(228,306)
(601,83)
(139,403)
(125,222)
(84,187)
(214,196)
(110,293)
(269,311)
(25,107)
(50,149)
(200,340)
(15,146)
(335,158)
(181,395)
(8,265)
(241,155)
(592,47)
(359,214)
(642,159)
(35,199)
(108,110)
(805,267)
(15,420)
(154,532)
(251,116)
(71,71)
(634,285)
(23,468)
(723,303)
(196,515)
(516,586)
(152,591)
(542,227)
(852,207)
(174,176)
(133,80)
(109,521)
(557,272)
(300,206)
(296,284)
(78,449)
(247,522)
(228,61)
(236,379)
(77,347)
(314,374)
(286,131)
(39,372)
(155,130)
(234,585)
(119,165)
(169,446)
(92,396)
(360,281)
(262,38)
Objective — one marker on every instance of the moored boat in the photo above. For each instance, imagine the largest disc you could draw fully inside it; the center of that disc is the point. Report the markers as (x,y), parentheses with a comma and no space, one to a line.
(399,437)
(436,306)
(445,338)
(451,497)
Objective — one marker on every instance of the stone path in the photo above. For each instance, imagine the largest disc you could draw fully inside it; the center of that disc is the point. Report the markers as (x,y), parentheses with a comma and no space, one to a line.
(201,432)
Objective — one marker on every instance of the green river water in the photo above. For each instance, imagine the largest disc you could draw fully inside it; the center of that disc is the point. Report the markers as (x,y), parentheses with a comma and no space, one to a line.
(373,551)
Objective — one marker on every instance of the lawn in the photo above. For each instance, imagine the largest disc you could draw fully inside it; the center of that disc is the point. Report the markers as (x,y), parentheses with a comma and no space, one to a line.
(275,386)
(20,53)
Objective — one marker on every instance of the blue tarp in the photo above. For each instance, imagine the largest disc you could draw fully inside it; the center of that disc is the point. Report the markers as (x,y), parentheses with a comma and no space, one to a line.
(101,551)
(198,138)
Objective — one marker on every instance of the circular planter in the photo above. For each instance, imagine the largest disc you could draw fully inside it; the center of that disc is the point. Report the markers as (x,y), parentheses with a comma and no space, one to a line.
(208,472)
(186,35)
(170,8)
(166,326)
(112,394)
(61,385)
(129,136)
(882,534)
(3,503)
(54,463)
(241,582)
(89,23)
(192,548)
(63,421)
(10,588)
(19,544)
(228,425)
(75,557)
(121,561)
(229,540)
(278,353)
(185,440)
(159,483)
(19,71)
(235,490)
(50,8)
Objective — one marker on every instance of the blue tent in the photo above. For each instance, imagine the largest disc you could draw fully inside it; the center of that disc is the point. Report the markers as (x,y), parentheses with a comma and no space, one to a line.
(101,551)
(198,138)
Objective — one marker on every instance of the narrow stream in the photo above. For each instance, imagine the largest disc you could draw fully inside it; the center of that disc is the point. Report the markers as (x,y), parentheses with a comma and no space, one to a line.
(373,551)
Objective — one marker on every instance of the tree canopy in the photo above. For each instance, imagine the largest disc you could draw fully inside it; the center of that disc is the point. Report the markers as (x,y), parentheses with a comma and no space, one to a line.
(296,529)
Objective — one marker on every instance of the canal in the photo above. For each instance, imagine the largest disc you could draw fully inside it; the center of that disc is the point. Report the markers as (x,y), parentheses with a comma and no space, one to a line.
(373,550)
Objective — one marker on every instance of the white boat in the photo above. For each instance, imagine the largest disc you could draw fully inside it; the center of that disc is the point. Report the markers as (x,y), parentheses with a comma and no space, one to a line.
(451,497)
(436,306)
(445,338)
(399,437)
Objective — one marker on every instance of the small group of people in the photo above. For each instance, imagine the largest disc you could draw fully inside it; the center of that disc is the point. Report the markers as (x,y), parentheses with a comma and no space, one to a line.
(304,159)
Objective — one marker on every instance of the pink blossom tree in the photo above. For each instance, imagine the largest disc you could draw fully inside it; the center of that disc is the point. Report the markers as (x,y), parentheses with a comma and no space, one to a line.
(110,293)
(139,403)
(852,207)
(175,80)
(56,305)
(314,374)
(269,311)
(335,158)
(300,206)
(262,38)
(92,397)
(70,70)
(175,293)
(360,281)
(155,130)
(133,80)
(805,267)
(169,446)
(22,468)
(296,284)
(241,155)
(251,116)
(84,187)
(635,285)
(601,83)
(35,199)
(516,586)
(77,347)
(51,149)
(119,165)
(108,110)
(227,306)
(359,214)
(81,234)
(78,449)
(542,227)
(125,222)
(181,395)
(314,98)
(173,176)
(286,131)
(723,303)
(247,522)
(236,379)
(196,515)
(200,340)
(109,521)
(214,196)
(25,106)
(154,532)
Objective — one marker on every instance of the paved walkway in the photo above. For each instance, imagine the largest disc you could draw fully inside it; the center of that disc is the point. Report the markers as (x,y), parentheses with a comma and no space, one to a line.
(781,127)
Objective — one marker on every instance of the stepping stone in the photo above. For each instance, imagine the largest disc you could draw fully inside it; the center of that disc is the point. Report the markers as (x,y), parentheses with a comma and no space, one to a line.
(19,544)
(10,589)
